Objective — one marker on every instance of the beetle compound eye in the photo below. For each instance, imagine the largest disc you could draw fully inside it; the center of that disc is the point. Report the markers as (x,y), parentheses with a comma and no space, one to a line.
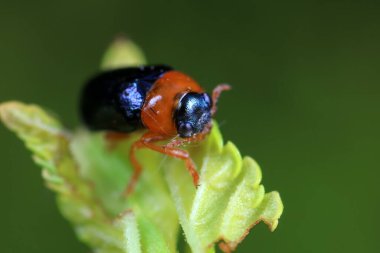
(185,129)
(207,99)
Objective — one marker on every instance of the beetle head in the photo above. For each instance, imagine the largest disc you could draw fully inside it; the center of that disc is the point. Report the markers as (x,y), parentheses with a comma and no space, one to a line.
(193,114)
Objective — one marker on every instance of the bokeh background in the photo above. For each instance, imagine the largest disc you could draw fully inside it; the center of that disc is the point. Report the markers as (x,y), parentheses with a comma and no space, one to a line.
(305,104)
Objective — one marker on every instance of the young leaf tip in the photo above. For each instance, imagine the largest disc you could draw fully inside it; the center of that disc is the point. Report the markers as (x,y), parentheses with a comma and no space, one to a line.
(121,53)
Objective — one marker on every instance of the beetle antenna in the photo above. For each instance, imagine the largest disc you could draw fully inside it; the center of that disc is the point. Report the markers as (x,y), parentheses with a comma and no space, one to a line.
(216,93)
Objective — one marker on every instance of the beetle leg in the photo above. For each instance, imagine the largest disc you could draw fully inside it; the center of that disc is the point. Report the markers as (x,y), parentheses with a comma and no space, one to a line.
(215,95)
(177,153)
(140,143)
(147,141)
(113,139)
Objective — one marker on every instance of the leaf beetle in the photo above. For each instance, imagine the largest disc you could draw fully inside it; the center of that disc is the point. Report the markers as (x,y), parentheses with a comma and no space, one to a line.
(165,102)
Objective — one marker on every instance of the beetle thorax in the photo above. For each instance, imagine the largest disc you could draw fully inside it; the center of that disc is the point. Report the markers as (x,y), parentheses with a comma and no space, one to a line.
(160,106)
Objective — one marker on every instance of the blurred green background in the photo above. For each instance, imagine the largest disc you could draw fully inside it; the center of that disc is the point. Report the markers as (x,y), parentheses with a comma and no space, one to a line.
(305,104)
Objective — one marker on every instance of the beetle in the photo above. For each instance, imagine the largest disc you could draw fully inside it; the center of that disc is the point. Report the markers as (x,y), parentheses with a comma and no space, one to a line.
(165,102)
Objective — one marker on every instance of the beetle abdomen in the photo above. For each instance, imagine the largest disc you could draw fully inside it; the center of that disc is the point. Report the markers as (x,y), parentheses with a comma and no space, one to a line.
(113,100)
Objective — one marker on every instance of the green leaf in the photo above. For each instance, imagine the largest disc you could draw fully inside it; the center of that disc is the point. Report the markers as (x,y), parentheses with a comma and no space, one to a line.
(109,172)
(229,200)
(89,178)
